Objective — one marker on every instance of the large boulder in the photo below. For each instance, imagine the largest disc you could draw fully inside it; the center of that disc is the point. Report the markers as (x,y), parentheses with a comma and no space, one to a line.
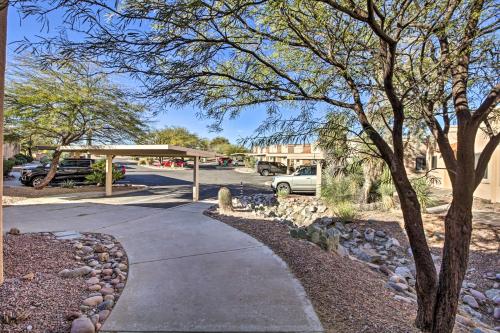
(82,325)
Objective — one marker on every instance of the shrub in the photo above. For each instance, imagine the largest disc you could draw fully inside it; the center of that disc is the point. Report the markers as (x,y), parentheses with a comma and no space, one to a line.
(142,162)
(282,193)
(68,184)
(7,167)
(45,160)
(225,199)
(339,189)
(422,187)
(345,210)
(98,175)
(250,162)
(386,191)
(27,158)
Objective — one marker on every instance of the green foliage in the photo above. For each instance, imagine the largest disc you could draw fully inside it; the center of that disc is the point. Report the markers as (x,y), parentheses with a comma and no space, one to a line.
(68,183)
(250,162)
(143,162)
(345,210)
(21,159)
(225,199)
(339,189)
(7,167)
(98,175)
(282,193)
(177,136)
(62,104)
(422,187)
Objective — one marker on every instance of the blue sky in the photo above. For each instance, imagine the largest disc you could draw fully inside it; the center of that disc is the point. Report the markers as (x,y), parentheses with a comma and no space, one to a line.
(242,126)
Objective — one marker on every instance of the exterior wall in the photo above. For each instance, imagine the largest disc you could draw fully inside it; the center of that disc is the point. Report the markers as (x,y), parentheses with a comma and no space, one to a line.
(489,189)
(293,155)
(10,149)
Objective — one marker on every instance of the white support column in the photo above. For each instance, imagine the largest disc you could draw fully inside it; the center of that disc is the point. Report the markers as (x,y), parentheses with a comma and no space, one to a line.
(196,179)
(109,175)
(318,178)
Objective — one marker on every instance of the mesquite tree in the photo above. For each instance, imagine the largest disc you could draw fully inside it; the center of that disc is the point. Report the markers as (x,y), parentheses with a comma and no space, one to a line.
(67,103)
(396,62)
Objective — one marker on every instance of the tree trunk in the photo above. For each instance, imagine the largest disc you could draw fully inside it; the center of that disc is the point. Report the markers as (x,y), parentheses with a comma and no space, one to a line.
(426,279)
(3,43)
(458,226)
(367,186)
(52,170)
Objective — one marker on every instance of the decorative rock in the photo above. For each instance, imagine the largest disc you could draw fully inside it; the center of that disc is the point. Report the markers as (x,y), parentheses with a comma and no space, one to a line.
(477,294)
(82,325)
(492,294)
(107,291)
(73,315)
(107,271)
(464,320)
(93,263)
(103,257)
(369,234)
(109,298)
(401,287)
(122,267)
(28,277)
(94,287)
(93,300)
(404,299)
(468,299)
(103,315)
(71,273)
(14,231)
(397,279)
(87,249)
(404,272)
(99,248)
(92,280)
(496,313)
(106,305)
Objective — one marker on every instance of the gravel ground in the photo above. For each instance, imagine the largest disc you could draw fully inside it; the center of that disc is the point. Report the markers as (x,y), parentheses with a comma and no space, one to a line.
(348,296)
(43,300)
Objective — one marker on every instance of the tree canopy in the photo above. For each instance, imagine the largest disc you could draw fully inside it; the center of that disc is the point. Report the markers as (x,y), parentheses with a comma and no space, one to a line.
(69,103)
(385,66)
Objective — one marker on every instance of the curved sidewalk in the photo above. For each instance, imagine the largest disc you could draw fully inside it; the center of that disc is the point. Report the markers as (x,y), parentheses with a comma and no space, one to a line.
(188,272)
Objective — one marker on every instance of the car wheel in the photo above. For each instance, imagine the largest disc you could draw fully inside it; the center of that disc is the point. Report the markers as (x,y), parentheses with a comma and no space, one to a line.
(37,181)
(284,188)
(265,172)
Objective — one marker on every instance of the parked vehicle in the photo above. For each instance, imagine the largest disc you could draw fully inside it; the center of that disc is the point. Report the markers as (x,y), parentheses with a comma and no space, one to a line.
(120,167)
(224,161)
(75,169)
(178,163)
(266,168)
(303,180)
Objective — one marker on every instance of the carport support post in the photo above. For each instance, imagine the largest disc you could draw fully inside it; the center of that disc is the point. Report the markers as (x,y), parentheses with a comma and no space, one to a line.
(196,179)
(319,177)
(109,175)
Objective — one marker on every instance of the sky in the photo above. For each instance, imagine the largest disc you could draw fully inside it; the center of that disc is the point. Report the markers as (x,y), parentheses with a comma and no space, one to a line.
(235,129)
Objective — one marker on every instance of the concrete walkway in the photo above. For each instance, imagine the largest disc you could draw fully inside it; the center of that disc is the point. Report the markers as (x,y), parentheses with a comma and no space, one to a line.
(188,272)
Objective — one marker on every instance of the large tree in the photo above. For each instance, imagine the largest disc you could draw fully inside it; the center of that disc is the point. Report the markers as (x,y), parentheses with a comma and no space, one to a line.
(397,62)
(174,135)
(67,103)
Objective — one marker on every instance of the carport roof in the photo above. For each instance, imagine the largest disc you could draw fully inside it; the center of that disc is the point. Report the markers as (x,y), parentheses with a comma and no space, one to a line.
(139,150)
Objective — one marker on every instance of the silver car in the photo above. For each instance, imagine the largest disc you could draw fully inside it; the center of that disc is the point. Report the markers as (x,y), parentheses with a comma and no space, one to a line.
(303,180)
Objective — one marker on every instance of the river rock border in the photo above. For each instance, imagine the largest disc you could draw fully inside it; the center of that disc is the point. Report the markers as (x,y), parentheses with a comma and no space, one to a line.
(104,265)
(310,219)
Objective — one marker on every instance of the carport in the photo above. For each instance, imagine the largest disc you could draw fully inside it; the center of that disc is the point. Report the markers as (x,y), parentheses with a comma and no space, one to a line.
(110,151)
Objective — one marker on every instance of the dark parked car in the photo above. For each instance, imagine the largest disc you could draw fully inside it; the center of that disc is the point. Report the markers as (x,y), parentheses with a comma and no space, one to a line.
(266,168)
(75,169)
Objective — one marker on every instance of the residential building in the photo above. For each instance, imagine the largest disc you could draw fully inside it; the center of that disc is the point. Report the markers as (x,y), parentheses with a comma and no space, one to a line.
(489,189)
(292,155)
(10,149)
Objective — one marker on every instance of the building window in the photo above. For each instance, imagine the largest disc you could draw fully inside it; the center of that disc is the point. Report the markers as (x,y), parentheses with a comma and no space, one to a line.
(485,176)
(434,162)
(420,163)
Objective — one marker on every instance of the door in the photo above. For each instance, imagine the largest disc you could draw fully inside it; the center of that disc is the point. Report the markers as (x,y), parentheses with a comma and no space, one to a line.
(68,169)
(303,180)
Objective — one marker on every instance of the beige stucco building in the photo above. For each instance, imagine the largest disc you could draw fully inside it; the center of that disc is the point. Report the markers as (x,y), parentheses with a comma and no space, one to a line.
(489,189)
(292,155)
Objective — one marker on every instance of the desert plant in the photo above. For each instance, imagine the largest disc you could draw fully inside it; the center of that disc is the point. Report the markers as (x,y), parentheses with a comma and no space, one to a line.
(386,191)
(225,199)
(282,193)
(68,183)
(7,167)
(98,175)
(339,189)
(250,162)
(422,187)
(345,210)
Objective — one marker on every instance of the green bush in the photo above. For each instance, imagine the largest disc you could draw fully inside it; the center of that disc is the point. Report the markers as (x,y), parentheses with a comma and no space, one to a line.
(7,167)
(422,187)
(142,162)
(98,175)
(250,162)
(345,210)
(68,183)
(339,189)
(27,158)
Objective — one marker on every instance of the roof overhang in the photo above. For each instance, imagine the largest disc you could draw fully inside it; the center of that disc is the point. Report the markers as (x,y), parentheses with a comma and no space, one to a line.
(140,150)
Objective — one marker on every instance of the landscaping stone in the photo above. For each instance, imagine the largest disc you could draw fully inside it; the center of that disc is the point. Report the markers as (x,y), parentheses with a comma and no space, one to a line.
(93,300)
(71,273)
(82,325)
(92,280)
(470,300)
